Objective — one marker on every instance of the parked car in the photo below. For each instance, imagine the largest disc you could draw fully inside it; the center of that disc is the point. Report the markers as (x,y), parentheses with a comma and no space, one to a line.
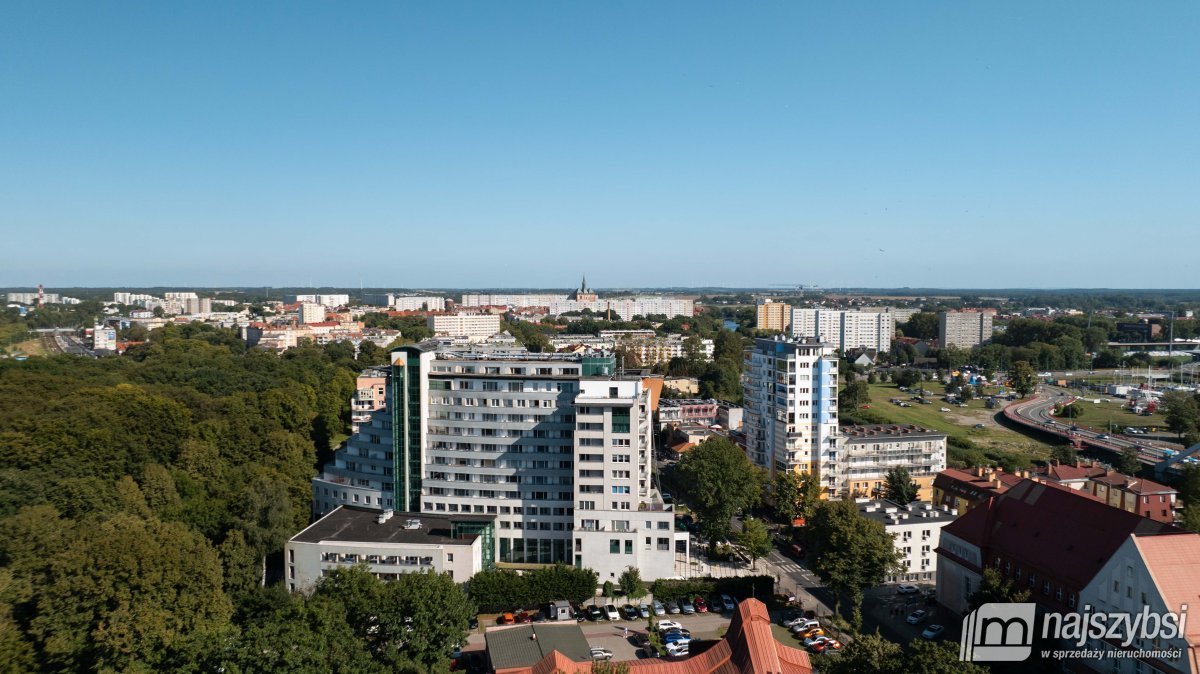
(728,602)
(700,605)
(801,624)
(679,630)
(827,644)
(650,651)
(601,653)
(672,606)
(507,619)
(668,625)
(933,631)
(658,607)
(629,612)
(917,617)
(813,641)
(905,588)
(594,613)
(686,607)
(675,636)
(523,617)
(677,650)
(610,612)
(643,611)
(808,633)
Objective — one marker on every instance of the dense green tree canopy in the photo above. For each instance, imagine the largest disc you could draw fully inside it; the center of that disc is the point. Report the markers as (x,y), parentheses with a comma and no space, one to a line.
(720,481)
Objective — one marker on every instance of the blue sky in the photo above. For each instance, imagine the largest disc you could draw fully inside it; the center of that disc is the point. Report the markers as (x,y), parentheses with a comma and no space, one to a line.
(524,143)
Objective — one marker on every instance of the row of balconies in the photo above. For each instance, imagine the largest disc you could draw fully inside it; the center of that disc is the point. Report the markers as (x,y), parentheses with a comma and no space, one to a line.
(392,560)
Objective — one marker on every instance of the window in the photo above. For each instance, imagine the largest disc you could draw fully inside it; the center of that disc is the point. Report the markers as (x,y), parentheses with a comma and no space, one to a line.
(614,546)
(615,490)
(629,547)
(450,557)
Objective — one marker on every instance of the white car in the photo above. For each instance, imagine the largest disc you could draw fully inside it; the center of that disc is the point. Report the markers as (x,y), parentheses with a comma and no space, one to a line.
(601,653)
(906,588)
(678,649)
(801,624)
(668,625)
(658,607)
(916,617)
(611,613)
(945,409)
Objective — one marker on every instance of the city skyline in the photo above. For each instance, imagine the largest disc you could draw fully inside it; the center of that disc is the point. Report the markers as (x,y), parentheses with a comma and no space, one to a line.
(923,145)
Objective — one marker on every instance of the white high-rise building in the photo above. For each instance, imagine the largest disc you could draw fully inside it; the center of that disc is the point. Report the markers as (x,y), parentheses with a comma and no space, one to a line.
(845,330)
(474,327)
(553,447)
(311,313)
(333,301)
(791,417)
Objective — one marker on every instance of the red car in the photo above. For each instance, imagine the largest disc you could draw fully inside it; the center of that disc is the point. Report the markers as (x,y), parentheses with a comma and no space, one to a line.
(700,604)
(522,617)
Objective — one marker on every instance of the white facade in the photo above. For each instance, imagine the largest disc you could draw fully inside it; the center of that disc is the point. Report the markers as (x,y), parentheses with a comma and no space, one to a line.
(620,518)
(515,300)
(197,305)
(311,313)
(389,544)
(333,301)
(627,308)
(104,338)
(181,296)
(845,330)
(790,418)
(958,572)
(472,326)
(419,304)
(916,529)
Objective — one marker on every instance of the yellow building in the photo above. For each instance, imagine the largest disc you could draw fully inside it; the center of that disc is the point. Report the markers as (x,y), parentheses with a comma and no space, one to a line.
(772,315)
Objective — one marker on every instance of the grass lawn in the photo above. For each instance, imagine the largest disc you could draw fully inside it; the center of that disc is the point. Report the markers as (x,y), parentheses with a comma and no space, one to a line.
(1098,415)
(959,421)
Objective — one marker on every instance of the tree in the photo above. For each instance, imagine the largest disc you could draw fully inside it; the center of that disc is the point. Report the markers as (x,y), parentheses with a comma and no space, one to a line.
(937,657)
(1024,378)
(899,487)
(632,585)
(1128,463)
(1182,412)
(906,377)
(923,325)
(1190,517)
(850,552)
(717,461)
(855,393)
(1064,454)
(995,588)
(123,591)
(756,540)
(867,654)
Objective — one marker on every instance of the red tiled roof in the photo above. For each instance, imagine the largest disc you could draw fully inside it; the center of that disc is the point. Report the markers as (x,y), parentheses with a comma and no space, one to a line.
(1171,561)
(1060,472)
(749,647)
(1056,530)
(1133,485)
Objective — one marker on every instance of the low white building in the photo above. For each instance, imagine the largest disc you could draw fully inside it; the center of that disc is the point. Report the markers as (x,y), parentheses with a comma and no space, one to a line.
(390,544)
(917,529)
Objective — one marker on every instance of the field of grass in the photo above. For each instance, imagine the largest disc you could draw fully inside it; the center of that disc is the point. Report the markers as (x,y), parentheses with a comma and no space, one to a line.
(1098,415)
(992,440)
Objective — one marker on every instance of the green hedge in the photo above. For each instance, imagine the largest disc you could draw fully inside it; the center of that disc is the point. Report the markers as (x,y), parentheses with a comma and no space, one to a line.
(502,590)
(740,586)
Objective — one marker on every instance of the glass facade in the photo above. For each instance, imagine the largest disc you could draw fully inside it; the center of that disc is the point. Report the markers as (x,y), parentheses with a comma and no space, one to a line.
(406,429)
(533,550)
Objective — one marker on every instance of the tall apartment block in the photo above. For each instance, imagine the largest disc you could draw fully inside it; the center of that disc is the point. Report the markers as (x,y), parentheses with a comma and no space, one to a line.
(845,330)
(504,434)
(475,327)
(790,418)
(964,329)
(772,315)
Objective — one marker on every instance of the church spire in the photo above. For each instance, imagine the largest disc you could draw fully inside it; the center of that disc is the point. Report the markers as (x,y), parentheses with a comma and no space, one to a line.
(583,284)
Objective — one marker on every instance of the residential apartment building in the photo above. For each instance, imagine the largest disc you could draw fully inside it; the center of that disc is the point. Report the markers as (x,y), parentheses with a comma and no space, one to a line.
(310,313)
(513,300)
(964,329)
(678,411)
(389,544)
(197,305)
(370,395)
(899,314)
(963,490)
(1049,539)
(104,338)
(845,330)
(1155,573)
(626,308)
(553,446)
(871,451)
(32,298)
(620,518)
(646,345)
(475,327)
(916,528)
(772,315)
(790,418)
(405,302)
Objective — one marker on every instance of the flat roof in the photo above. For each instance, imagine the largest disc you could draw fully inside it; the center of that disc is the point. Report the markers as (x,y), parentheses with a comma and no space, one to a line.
(360,525)
(882,431)
(914,513)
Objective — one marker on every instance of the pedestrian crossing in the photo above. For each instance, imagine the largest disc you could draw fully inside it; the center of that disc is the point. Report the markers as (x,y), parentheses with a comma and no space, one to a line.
(790,567)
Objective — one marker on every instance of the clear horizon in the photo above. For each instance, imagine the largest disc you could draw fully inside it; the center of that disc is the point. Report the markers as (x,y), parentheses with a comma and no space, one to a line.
(924,145)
